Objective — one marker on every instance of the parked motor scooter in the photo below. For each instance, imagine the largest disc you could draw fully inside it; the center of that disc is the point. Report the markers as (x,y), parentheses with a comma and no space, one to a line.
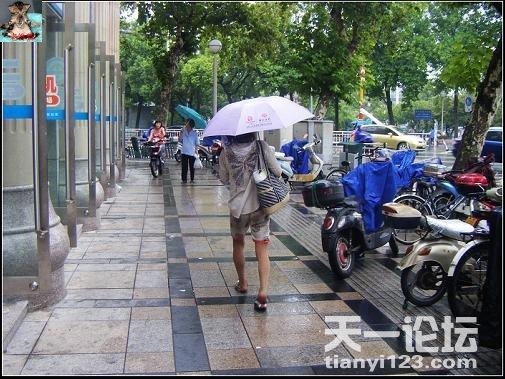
(426,264)
(314,163)
(216,148)
(467,274)
(353,226)
(178,153)
(209,150)
(204,153)
(285,164)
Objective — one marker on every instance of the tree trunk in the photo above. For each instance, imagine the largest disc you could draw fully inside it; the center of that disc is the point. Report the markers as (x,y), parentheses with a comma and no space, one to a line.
(139,111)
(389,106)
(166,97)
(489,97)
(455,102)
(337,116)
(322,105)
(167,87)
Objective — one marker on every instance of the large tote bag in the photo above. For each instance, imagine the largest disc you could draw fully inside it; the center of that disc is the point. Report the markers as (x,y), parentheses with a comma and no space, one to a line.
(273,192)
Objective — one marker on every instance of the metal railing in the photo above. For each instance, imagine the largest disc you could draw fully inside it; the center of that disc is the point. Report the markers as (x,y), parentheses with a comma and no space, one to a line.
(173,134)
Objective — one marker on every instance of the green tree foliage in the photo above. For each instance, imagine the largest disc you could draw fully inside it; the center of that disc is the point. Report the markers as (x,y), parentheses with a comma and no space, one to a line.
(466,35)
(251,62)
(331,41)
(136,54)
(194,86)
(176,28)
(316,48)
(401,55)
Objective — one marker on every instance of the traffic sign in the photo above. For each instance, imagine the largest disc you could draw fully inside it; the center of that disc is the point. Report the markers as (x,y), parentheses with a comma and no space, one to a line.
(422,114)
(468,104)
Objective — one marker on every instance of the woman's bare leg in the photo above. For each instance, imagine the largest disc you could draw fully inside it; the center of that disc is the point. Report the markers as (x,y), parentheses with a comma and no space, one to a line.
(239,260)
(260,248)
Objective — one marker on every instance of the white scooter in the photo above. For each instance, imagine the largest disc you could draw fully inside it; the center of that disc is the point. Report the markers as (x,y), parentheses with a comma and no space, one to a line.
(425,264)
(429,264)
(315,163)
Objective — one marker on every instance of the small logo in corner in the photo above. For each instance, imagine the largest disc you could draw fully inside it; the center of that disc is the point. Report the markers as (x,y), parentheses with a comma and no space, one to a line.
(22,26)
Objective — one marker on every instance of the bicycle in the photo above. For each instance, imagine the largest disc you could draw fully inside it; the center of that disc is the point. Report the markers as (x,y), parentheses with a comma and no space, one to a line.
(467,274)
(445,205)
(338,173)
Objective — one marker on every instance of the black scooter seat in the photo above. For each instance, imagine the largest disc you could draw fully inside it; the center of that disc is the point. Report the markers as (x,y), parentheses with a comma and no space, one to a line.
(350,202)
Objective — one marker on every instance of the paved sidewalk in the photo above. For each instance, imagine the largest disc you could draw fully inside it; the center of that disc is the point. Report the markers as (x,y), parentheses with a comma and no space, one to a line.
(151,292)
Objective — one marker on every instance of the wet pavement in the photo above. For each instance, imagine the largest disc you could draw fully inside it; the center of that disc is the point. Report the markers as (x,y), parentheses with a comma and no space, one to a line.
(151,293)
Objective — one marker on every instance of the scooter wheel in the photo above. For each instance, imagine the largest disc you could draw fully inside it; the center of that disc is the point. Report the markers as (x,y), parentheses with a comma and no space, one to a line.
(341,257)
(154,168)
(178,156)
(424,283)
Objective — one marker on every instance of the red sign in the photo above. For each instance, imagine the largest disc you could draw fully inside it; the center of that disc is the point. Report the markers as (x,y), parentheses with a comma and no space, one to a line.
(52,98)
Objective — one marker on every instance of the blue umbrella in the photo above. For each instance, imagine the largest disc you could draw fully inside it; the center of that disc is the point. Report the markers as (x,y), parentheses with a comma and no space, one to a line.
(188,112)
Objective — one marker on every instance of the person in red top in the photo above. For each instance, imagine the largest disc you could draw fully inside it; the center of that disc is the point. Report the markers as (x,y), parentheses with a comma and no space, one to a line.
(157,134)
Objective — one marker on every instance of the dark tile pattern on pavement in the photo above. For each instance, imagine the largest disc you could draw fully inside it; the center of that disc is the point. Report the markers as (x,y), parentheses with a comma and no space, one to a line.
(164,303)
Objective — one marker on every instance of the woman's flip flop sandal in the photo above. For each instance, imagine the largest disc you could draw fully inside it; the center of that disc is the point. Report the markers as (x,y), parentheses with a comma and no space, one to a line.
(259,306)
(238,288)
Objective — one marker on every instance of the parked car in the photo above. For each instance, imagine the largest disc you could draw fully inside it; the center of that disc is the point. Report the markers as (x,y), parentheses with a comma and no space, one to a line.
(493,143)
(393,138)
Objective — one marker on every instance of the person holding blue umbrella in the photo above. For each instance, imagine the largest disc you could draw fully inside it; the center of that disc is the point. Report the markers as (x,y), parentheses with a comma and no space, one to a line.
(190,141)
(190,113)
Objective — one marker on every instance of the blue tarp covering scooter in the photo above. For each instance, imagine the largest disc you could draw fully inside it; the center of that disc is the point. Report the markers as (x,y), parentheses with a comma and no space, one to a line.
(208,141)
(359,135)
(300,163)
(372,184)
(406,169)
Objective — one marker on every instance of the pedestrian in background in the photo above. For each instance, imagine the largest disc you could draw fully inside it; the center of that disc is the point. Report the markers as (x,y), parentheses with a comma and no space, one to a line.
(189,139)
(431,137)
(237,162)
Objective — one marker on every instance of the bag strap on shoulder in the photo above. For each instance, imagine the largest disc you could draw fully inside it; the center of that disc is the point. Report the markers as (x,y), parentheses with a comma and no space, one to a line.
(261,158)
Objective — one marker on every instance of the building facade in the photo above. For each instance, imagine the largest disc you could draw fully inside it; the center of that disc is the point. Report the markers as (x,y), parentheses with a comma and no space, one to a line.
(63,153)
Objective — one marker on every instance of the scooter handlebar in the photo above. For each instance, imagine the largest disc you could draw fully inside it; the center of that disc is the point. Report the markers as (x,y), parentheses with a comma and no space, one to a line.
(311,144)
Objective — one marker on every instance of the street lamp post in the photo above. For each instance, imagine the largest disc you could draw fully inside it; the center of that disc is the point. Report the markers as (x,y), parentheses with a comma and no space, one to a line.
(215,47)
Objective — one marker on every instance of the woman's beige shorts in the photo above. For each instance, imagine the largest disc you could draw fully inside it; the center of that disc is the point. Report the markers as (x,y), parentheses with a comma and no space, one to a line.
(257,221)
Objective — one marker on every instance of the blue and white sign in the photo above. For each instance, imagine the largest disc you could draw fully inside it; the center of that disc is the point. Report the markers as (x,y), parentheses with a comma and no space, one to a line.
(468,104)
(422,114)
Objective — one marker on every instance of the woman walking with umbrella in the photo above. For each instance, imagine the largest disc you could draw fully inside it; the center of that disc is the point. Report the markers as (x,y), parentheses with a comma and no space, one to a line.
(236,165)
(189,139)
(240,122)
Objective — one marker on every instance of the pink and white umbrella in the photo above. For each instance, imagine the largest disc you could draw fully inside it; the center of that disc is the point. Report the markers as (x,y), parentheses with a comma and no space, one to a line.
(255,115)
